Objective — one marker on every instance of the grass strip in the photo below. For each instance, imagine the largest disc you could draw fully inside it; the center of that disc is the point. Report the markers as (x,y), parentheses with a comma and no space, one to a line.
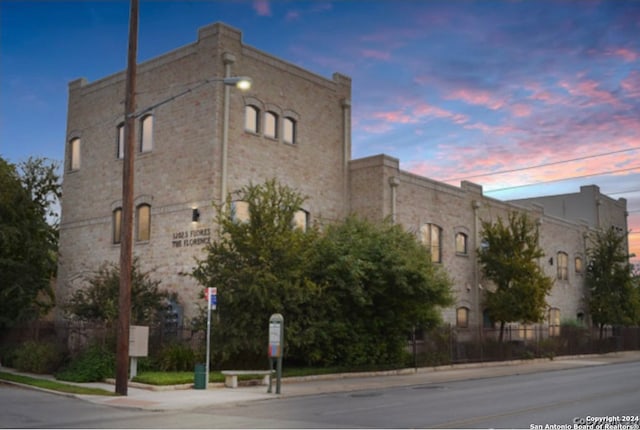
(53,385)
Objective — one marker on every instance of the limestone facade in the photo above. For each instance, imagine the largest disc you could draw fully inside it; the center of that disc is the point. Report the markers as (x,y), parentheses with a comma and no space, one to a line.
(194,160)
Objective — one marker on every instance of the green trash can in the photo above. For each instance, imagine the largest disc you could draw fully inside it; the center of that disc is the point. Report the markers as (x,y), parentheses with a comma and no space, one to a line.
(200,377)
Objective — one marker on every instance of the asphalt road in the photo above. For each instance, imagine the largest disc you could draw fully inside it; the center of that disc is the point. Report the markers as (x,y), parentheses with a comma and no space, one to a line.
(521,401)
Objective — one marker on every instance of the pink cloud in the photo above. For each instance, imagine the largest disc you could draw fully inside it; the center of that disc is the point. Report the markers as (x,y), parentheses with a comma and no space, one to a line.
(520,110)
(395,117)
(631,84)
(589,90)
(262,7)
(476,97)
(626,54)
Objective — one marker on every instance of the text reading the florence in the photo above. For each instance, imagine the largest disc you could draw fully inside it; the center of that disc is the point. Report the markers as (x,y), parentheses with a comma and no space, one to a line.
(185,239)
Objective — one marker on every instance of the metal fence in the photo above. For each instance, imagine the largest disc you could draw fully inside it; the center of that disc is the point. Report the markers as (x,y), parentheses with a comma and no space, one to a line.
(451,345)
(444,345)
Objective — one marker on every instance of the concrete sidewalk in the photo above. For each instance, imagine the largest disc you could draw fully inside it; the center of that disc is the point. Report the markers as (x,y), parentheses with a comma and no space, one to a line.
(185,398)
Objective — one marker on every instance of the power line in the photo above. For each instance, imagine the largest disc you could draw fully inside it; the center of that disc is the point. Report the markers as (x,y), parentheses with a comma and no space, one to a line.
(553,163)
(563,179)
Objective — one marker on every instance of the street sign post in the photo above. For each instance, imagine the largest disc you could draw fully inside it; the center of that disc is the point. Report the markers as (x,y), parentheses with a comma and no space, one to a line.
(211,295)
(276,346)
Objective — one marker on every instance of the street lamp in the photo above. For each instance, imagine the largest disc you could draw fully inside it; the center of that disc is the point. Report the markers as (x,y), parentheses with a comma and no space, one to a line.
(240,82)
(126,241)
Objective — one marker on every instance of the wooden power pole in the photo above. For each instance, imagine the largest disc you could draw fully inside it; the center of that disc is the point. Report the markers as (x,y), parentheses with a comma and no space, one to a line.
(126,234)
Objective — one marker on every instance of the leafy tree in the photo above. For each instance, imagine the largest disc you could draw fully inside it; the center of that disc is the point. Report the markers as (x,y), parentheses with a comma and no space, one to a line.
(509,259)
(99,301)
(613,298)
(378,283)
(28,242)
(259,268)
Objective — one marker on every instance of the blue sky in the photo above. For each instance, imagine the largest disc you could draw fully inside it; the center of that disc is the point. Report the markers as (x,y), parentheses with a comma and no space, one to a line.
(454,89)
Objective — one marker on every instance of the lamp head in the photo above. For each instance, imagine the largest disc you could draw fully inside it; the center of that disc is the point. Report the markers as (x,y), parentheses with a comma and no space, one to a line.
(240,82)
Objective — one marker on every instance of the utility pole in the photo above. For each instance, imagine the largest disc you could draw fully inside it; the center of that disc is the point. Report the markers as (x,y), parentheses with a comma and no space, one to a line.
(126,234)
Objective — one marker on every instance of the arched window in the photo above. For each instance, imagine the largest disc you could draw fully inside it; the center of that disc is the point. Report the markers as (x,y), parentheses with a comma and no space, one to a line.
(432,238)
(462,317)
(554,322)
(461,243)
(251,119)
(301,220)
(578,264)
(240,211)
(146,133)
(120,141)
(143,226)
(74,149)
(271,124)
(117,224)
(563,266)
(289,130)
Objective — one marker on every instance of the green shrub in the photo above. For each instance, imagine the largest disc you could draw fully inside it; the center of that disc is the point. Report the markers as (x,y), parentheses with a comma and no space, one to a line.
(177,357)
(96,363)
(38,357)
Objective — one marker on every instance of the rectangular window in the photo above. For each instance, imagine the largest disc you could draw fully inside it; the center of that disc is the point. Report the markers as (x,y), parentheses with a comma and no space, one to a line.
(75,153)
(146,134)
(144,223)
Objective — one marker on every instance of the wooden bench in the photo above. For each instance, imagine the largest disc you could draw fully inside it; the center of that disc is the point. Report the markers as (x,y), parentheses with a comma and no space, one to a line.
(231,376)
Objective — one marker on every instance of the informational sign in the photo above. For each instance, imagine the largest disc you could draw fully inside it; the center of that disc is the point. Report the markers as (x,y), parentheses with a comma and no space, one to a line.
(275,345)
(276,342)
(211,296)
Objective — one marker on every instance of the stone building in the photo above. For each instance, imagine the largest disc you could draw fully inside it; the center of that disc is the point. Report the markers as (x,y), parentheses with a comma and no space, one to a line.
(292,125)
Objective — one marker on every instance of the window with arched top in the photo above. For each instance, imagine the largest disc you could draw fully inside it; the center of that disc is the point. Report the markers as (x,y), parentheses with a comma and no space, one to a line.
(146,133)
(116,225)
(120,141)
(563,266)
(431,236)
(289,130)
(462,317)
(301,219)
(554,322)
(271,124)
(462,243)
(252,118)
(143,222)
(578,265)
(240,211)
(74,150)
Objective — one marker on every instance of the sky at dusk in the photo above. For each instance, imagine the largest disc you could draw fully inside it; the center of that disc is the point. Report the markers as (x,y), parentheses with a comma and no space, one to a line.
(473,90)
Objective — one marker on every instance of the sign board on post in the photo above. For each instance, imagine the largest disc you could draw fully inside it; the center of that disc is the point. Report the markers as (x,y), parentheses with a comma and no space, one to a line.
(276,342)
(138,347)
(211,296)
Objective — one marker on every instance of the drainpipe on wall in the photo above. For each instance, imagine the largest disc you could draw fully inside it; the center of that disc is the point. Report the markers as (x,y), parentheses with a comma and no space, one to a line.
(346,154)
(476,274)
(394,181)
(228,59)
